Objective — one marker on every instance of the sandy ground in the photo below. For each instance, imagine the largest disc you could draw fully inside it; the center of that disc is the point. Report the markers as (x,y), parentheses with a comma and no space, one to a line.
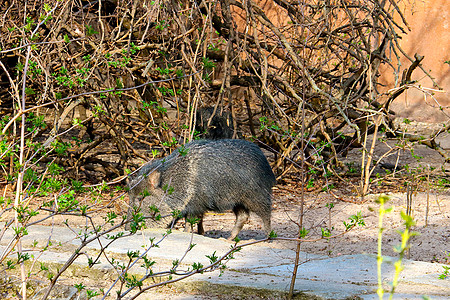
(431,211)
(431,245)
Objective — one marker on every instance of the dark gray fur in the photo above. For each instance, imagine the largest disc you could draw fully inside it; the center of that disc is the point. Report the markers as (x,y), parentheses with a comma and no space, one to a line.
(215,176)
(219,126)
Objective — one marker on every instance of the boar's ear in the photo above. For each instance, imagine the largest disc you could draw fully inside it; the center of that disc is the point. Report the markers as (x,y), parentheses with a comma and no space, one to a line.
(154,179)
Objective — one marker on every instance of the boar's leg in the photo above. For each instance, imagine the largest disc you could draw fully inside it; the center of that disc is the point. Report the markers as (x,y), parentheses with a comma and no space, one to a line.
(242,215)
(200,229)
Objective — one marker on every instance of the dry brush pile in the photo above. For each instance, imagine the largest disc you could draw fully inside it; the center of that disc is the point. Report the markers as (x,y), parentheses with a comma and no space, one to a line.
(101,82)
(89,87)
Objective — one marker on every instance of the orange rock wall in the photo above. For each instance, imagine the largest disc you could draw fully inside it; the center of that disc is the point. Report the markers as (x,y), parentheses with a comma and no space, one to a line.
(429,21)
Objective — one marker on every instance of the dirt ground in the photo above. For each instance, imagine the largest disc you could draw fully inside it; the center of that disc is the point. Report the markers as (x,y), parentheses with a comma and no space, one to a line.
(431,245)
(430,209)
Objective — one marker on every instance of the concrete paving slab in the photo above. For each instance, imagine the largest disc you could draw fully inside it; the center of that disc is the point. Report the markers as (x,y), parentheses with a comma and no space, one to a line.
(259,266)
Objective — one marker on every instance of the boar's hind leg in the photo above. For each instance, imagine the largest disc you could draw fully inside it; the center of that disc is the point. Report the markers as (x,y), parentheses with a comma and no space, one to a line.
(242,215)
(266,221)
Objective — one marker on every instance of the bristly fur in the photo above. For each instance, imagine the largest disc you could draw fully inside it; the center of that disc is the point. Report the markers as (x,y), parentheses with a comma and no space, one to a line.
(211,176)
